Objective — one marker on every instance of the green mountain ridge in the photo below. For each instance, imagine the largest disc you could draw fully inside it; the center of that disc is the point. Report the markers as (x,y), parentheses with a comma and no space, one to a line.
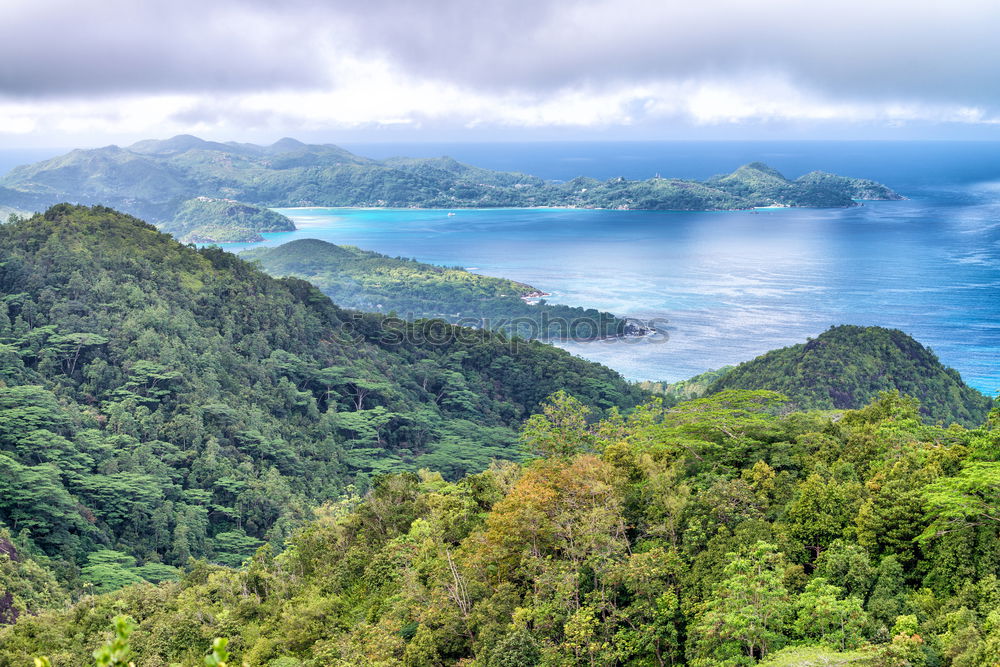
(369,281)
(152,179)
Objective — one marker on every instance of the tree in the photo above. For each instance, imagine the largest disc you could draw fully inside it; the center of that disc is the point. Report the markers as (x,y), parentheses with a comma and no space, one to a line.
(560,430)
(518,648)
(582,636)
(34,498)
(108,570)
(744,616)
(732,413)
(819,513)
(888,596)
(846,565)
(651,627)
(361,388)
(234,547)
(69,347)
(822,614)
(906,648)
(968,500)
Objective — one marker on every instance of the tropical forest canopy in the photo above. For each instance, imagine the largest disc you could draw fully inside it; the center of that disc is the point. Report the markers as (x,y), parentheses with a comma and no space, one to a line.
(847,367)
(723,531)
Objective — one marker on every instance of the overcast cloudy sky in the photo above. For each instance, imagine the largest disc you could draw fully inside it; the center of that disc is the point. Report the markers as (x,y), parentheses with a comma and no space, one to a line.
(102,71)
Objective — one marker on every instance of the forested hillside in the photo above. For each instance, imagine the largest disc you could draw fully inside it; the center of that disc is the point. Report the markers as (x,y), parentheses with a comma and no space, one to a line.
(152,179)
(159,402)
(368,281)
(847,366)
(725,531)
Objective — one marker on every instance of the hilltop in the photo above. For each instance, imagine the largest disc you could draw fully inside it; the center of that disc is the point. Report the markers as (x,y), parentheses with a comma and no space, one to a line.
(369,281)
(846,367)
(152,179)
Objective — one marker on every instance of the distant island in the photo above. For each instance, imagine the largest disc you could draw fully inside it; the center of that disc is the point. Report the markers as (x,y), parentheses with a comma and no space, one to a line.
(157,180)
(369,281)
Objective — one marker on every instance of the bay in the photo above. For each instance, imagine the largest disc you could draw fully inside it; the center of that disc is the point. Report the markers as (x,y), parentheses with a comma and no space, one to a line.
(732,285)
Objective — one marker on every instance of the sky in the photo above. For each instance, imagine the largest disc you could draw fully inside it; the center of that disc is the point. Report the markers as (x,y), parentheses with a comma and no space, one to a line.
(92,73)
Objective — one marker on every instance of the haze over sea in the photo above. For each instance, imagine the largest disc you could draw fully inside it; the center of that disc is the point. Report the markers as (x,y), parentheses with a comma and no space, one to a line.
(732,285)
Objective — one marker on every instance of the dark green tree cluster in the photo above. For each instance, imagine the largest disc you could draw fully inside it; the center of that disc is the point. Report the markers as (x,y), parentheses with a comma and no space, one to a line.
(724,531)
(368,281)
(766,186)
(159,403)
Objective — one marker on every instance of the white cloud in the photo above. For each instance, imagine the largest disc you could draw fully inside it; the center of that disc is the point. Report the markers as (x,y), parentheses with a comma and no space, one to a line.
(376,96)
(227,69)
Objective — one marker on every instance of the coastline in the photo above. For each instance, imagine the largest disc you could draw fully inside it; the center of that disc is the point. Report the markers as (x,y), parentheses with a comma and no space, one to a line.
(459,209)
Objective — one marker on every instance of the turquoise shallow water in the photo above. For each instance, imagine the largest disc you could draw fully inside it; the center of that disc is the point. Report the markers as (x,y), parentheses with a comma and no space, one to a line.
(732,285)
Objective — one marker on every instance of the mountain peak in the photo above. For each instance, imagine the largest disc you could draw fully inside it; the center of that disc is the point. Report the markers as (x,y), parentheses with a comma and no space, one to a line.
(286,144)
(762,168)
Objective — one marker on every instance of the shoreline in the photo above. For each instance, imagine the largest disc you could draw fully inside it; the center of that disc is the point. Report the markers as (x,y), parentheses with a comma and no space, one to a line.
(568,208)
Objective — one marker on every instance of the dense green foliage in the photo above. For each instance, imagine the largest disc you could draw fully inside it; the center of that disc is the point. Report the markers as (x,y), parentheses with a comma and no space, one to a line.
(207,220)
(159,402)
(368,281)
(721,532)
(847,366)
(152,178)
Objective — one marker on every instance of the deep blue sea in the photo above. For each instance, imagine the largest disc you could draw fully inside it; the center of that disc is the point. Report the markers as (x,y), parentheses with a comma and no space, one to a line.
(731,285)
